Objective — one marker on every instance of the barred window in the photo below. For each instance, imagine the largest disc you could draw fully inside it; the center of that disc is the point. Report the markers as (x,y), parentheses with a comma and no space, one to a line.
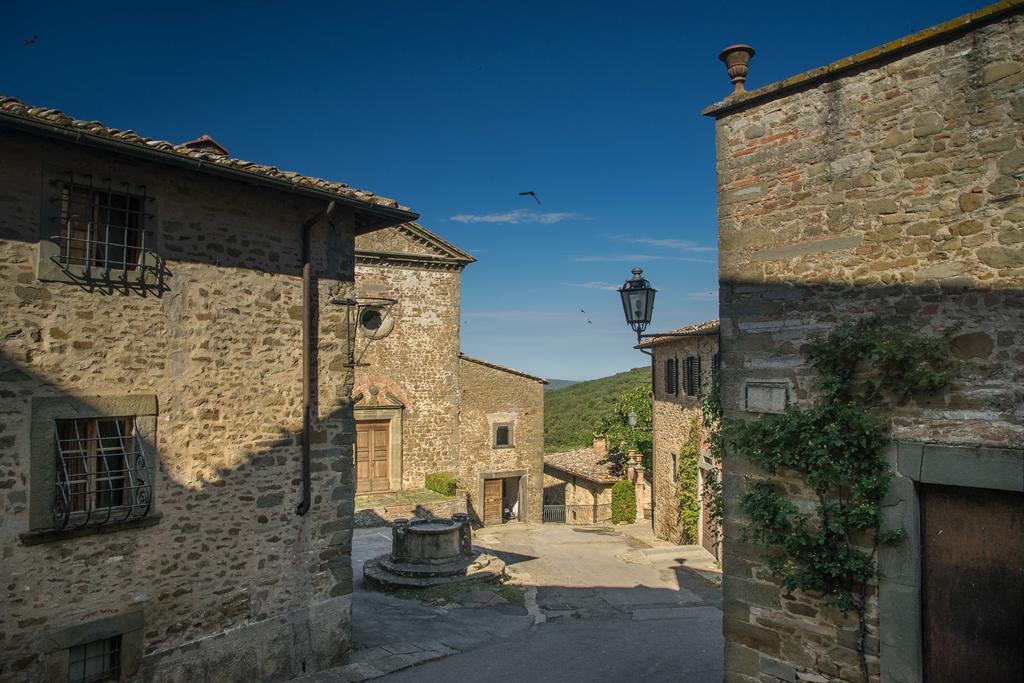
(97,661)
(101,228)
(671,377)
(692,375)
(102,472)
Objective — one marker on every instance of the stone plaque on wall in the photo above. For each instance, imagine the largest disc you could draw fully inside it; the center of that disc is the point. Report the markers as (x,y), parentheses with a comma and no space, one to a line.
(767,397)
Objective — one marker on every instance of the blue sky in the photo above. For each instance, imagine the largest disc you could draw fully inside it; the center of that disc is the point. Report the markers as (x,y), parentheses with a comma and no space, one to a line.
(453,108)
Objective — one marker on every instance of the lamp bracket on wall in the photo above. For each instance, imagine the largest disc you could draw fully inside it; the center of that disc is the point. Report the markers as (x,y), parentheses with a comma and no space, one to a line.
(361,304)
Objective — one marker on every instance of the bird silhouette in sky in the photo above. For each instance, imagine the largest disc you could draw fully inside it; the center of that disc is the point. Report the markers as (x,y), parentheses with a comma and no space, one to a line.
(530,194)
(586,316)
(32,41)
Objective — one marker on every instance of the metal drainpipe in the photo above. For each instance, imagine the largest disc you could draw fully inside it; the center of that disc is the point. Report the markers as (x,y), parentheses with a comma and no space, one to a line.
(307,324)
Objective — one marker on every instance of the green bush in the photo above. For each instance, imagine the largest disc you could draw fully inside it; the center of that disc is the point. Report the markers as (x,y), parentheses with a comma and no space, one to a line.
(623,502)
(442,482)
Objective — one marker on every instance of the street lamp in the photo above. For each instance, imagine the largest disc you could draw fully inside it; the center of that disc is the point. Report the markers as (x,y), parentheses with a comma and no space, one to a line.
(637,302)
(632,419)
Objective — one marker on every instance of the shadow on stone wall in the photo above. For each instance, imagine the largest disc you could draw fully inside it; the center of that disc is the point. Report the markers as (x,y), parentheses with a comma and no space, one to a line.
(766,328)
(202,560)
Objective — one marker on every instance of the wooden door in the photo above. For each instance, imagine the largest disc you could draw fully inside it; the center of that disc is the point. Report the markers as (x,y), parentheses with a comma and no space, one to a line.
(372,455)
(492,501)
(972,591)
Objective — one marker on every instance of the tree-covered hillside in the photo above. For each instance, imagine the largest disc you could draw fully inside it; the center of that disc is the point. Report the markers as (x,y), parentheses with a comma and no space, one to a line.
(559,384)
(571,414)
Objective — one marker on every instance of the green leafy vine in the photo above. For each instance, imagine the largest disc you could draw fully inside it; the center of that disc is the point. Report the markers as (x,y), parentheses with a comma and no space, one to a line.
(711,422)
(836,445)
(688,469)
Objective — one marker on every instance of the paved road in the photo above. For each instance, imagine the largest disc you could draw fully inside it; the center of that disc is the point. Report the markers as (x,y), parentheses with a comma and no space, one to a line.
(600,605)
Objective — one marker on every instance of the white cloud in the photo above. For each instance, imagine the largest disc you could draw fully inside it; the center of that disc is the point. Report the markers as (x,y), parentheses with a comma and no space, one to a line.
(604,286)
(517,216)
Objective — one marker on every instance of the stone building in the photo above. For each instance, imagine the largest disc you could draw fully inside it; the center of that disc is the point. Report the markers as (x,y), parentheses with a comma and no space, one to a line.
(578,485)
(161,518)
(888,183)
(422,407)
(683,362)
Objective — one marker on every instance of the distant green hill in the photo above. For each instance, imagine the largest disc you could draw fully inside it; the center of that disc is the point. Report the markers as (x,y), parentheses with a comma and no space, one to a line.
(559,384)
(572,413)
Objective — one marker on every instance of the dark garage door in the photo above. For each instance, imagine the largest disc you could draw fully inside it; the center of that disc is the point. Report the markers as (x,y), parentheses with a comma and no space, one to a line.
(973,584)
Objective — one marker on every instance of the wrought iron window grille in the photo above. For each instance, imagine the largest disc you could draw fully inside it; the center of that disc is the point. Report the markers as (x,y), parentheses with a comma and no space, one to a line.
(103,229)
(103,474)
(97,661)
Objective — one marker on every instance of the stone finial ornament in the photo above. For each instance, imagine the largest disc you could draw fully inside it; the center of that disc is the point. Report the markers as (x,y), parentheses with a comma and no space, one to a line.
(736,58)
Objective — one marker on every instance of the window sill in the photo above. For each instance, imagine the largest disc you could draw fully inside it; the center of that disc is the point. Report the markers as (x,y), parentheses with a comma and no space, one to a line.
(54,535)
(499,447)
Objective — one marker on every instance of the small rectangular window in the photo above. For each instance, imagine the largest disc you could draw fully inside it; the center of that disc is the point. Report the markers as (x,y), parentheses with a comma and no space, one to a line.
(671,377)
(102,472)
(100,228)
(675,468)
(97,661)
(502,435)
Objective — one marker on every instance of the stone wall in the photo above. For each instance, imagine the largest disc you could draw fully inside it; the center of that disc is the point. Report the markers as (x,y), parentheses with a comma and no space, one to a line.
(418,362)
(383,515)
(565,488)
(225,580)
(892,188)
(673,416)
(495,396)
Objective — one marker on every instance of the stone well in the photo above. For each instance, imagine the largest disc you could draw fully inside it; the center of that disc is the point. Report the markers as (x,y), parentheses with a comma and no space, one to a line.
(431,552)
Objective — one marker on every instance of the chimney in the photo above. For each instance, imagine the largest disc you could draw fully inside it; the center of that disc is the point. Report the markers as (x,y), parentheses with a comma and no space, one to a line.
(600,444)
(204,143)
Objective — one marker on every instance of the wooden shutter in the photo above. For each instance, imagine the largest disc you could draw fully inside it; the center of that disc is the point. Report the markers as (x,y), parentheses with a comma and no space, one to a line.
(671,377)
(692,375)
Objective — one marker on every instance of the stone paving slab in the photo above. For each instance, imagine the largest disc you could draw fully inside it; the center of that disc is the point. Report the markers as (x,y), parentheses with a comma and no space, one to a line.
(654,613)
(642,595)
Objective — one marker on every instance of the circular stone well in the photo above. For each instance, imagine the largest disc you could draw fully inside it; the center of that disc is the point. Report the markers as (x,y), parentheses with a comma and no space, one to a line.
(431,552)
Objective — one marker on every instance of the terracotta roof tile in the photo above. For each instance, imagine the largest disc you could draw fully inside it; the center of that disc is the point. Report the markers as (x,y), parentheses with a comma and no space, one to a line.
(583,462)
(13,107)
(502,368)
(708,327)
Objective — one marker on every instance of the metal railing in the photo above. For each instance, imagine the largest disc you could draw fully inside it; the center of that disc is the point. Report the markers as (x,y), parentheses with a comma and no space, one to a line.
(578,514)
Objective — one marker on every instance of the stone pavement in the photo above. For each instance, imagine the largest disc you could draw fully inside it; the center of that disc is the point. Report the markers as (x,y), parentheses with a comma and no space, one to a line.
(601,603)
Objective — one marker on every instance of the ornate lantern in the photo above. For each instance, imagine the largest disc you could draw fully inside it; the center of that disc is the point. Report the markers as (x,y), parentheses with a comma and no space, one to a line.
(637,302)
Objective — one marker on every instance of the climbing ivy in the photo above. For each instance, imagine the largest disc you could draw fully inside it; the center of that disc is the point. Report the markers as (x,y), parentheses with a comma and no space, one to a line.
(835,446)
(711,422)
(688,467)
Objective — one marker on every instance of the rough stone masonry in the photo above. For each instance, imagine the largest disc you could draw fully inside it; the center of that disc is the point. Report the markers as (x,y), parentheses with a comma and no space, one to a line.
(222,579)
(888,183)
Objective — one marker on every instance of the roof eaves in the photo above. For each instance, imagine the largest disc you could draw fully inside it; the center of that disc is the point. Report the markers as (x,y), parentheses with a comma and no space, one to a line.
(455,254)
(568,469)
(376,214)
(502,368)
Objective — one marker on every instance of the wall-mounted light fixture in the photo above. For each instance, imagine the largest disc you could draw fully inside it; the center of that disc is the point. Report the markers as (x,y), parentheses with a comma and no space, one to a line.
(637,302)
(372,317)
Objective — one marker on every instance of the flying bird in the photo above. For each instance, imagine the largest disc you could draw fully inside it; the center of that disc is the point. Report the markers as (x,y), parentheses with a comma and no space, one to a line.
(586,316)
(32,41)
(530,194)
